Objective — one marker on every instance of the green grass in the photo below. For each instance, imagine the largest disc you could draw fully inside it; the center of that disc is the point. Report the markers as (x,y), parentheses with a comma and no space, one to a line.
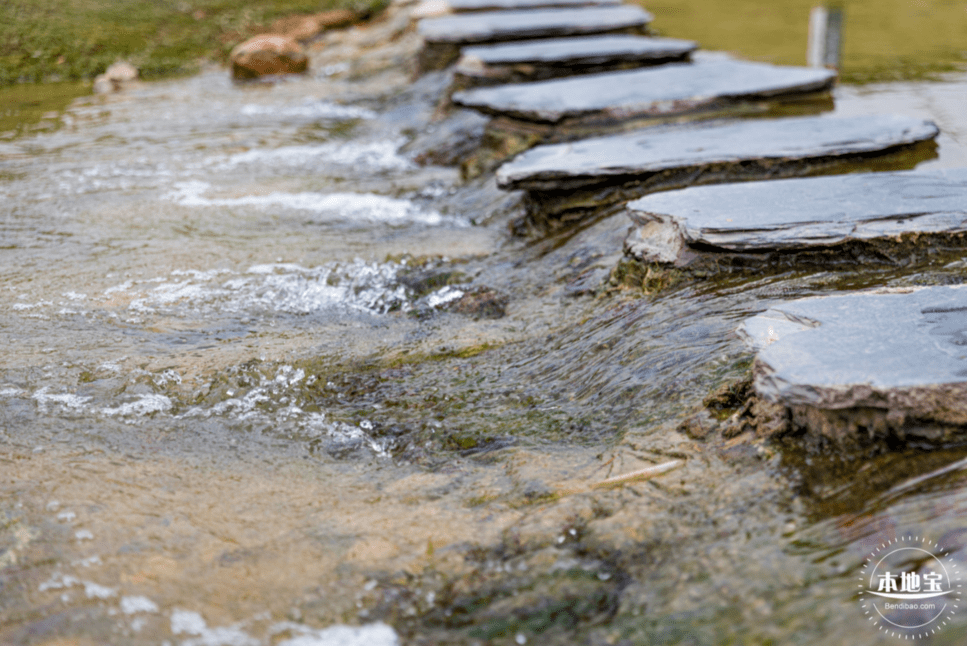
(61,40)
(883,40)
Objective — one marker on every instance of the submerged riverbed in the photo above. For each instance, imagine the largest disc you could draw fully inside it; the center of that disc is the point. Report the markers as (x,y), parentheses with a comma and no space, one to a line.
(265,374)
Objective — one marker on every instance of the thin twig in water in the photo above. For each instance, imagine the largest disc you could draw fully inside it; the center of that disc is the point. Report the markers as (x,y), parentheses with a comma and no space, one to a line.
(635,476)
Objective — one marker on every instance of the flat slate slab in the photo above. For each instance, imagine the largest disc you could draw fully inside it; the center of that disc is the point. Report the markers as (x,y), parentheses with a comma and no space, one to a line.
(498,26)
(601,160)
(800,214)
(550,58)
(867,364)
(496,5)
(659,91)
(570,181)
(584,50)
(444,36)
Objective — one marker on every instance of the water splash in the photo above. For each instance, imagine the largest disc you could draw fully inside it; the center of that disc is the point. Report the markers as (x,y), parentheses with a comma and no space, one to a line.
(275,288)
(327,207)
(308,110)
(377,155)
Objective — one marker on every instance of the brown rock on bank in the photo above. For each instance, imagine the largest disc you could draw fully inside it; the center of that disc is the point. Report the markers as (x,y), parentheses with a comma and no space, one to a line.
(268,54)
(115,78)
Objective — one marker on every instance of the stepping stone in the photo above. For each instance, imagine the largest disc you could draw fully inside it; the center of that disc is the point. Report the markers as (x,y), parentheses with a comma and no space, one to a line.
(668,90)
(867,365)
(443,37)
(544,59)
(568,181)
(496,5)
(895,215)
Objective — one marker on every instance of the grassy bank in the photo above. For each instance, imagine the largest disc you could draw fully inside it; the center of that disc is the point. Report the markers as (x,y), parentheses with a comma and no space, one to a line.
(883,40)
(70,40)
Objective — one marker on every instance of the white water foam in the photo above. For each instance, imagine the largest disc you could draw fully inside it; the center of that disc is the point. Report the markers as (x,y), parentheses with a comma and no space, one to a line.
(377,155)
(443,296)
(287,288)
(69,401)
(143,406)
(340,433)
(136,604)
(376,634)
(187,622)
(327,207)
(308,110)
(270,402)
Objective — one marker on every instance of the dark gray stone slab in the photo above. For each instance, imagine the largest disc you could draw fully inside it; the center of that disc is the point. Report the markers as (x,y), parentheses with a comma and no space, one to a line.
(497,5)
(496,26)
(584,50)
(569,182)
(659,91)
(867,364)
(799,214)
(553,58)
(644,152)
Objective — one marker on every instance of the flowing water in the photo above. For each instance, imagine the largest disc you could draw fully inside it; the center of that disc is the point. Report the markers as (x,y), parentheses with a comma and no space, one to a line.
(265,377)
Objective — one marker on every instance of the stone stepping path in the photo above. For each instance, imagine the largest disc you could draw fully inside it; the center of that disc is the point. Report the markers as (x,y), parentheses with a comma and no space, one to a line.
(800,214)
(867,364)
(553,58)
(583,175)
(673,89)
(847,368)
(460,6)
(443,37)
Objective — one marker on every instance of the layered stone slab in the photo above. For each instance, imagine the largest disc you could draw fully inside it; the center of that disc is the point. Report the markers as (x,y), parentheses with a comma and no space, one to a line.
(461,6)
(552,58)
(668,90)
(800,215)
(867,364)
(571,179)
(444,36)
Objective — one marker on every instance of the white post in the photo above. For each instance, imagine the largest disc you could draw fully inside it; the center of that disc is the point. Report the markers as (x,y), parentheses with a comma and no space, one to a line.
(816,48)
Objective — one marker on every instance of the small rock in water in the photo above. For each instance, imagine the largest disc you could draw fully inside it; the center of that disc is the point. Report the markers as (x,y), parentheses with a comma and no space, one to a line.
(115,78)
(867,366)
(483,303)
(268,54)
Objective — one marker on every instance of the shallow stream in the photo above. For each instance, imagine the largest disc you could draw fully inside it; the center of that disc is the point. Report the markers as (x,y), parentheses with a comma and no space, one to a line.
(264,374)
